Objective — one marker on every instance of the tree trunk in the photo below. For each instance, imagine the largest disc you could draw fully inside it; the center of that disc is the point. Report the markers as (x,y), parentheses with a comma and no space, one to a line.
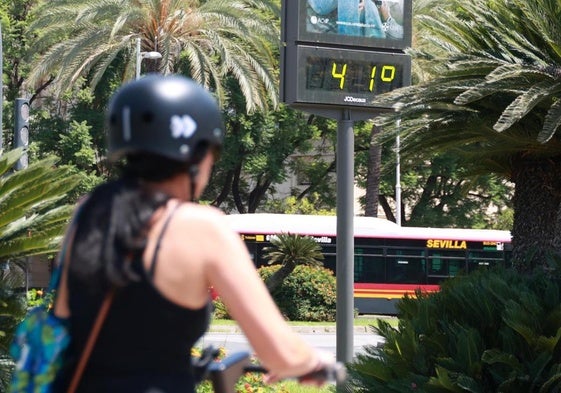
(236,189)
(277,278)
(387,208)
(536,203)
(418,211)
(226,187)
(373,175)
(257,194)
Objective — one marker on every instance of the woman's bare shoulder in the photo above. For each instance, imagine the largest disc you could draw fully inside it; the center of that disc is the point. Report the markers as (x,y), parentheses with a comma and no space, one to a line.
(205,227)
(201,215)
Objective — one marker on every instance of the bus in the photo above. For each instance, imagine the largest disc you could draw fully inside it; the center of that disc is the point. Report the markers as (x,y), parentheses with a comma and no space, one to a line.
(389,260)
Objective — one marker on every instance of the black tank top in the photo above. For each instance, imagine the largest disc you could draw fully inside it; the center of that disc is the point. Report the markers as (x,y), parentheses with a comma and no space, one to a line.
(145,342)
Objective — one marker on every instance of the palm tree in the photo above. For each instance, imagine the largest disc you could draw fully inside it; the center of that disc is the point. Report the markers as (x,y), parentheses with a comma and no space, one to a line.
(496,102)
(290,250)
(32,216)
(32,220)
(207,40)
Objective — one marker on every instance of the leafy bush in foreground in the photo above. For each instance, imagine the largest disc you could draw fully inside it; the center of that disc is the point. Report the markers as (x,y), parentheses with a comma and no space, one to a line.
(307,294)
(486,332)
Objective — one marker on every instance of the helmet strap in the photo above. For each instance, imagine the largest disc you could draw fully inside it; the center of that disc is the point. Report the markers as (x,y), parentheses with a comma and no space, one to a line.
(193,173)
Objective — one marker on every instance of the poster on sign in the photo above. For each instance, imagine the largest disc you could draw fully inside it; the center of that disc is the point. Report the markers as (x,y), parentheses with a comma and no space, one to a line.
(368,23)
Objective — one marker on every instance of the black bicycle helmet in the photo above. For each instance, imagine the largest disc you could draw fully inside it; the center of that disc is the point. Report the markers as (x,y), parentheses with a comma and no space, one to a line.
(171,116)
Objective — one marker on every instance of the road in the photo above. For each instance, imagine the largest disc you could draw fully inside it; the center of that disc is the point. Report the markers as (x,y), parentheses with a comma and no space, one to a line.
(234,341)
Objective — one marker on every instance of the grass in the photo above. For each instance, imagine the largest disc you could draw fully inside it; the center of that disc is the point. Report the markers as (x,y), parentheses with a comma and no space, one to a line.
(295,387)
(359,321)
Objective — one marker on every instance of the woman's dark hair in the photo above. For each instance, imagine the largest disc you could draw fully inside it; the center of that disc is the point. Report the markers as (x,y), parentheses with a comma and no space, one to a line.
(112,223)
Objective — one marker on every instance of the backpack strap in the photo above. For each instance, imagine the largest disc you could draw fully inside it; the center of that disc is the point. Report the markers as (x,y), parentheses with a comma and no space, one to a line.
(62,261)
(62,258)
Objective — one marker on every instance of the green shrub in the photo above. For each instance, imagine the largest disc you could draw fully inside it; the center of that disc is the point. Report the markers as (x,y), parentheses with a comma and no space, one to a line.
(485,332)
(219,310)
(307,294)
(40,297)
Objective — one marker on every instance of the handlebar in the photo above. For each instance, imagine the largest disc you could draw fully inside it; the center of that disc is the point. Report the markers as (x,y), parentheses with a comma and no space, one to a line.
(225,373)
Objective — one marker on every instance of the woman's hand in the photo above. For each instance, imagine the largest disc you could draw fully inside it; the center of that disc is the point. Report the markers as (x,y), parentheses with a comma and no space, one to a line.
(325,368)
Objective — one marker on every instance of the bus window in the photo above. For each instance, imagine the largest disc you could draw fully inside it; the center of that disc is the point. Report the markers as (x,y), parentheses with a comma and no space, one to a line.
(359,264)
(369,265)
(406,266)
(329,257)
(444,264)
(330,262)
(256,253)
(251,248)
(485,259)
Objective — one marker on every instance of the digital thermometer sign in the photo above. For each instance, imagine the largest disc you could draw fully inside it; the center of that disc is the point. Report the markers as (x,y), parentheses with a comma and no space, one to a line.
(327,76)
(343,53)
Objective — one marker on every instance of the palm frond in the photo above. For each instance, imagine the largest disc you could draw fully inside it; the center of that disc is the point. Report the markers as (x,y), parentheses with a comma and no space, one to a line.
(32,219)
(218,38)
(294,249)
(524,103)
(551,123)
(8,160)
(494,92)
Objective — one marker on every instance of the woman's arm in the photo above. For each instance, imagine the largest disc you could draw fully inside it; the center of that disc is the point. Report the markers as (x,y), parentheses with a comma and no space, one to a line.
(232,273)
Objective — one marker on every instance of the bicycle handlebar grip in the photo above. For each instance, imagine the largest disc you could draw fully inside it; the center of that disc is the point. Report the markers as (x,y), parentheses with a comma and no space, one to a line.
(334,372)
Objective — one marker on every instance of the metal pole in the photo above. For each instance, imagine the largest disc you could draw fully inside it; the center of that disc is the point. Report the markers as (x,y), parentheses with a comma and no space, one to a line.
(345,238)
(138,58)
(397,179)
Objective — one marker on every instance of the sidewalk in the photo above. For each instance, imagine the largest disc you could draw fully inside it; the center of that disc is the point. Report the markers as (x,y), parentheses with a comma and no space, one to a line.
(297,328)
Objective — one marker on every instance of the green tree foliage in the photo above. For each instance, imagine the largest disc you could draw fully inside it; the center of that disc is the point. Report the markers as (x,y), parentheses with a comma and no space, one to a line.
(206,40)
(259,146)
(73,142)
(308,294)
(441,193)
(249,176)
(13,307)
(289,251)
(304,205)
(437,191)
(75,145)
(257,154)
(15,44)
(490,331)
(493,102)
(14,16)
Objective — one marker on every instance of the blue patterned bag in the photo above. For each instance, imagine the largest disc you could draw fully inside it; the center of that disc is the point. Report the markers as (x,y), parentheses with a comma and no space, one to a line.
(39,343)
(38,346)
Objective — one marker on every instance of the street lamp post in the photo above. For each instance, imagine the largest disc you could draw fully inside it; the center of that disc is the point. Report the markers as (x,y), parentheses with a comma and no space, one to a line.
(144,55)
(397,179)
(398,107)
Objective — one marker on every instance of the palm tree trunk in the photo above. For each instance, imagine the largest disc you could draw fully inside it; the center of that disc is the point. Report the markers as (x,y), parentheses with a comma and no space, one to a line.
(536,202)
(277,278)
